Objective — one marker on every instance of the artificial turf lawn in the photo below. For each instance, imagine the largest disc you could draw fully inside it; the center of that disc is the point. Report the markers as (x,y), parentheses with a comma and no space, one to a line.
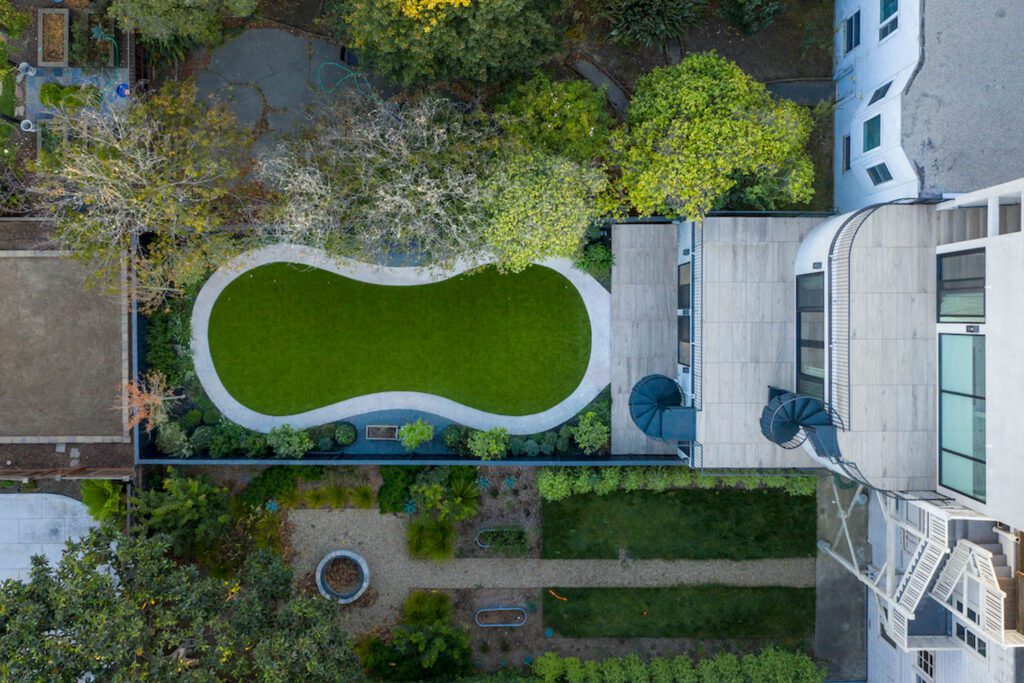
(697,524)
(712,611)
(286,339)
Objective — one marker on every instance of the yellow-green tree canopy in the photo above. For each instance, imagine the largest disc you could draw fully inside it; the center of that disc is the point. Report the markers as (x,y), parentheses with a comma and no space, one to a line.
(695,128)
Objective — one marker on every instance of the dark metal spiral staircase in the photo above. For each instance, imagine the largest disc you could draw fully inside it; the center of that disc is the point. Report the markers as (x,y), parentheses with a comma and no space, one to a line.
(790,419)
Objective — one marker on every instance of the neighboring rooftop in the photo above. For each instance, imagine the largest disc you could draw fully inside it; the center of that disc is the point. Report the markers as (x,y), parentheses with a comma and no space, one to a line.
(63,351)
(961,111)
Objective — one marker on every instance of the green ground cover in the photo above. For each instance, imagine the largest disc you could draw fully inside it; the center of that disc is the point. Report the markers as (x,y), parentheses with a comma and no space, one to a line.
(7,86)
(697,524)
(286,339)
(784,614)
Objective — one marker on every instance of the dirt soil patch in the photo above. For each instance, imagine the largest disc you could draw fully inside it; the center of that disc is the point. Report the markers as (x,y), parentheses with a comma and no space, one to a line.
(509,500)
(53,37)
(342,575)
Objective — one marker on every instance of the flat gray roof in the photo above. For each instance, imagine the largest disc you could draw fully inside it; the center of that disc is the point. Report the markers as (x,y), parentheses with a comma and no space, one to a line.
(63,352)
(962,110)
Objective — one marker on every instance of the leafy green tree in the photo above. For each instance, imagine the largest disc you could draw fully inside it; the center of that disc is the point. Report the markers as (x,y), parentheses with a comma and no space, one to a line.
(541,207)
(163,21)
(591,433)
(119,607)
(189,511)
(165,167)
(565,118)
(489,445)
(415,433)
(288,442)
(696,127)
(480,41)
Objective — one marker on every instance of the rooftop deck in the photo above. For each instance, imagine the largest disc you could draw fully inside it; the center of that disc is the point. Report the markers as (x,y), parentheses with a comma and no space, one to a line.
(644,327)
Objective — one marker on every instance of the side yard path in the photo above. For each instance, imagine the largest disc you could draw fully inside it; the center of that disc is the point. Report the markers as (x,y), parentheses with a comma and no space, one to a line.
(381,540)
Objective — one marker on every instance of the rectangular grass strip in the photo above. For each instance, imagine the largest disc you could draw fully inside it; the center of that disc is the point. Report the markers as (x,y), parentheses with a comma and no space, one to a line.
(682,612)
(696,524)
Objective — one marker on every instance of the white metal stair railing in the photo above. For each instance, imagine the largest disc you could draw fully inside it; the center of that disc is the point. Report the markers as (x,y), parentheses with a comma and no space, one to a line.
(951,573)
(992,597)
(898,629)
(925,561)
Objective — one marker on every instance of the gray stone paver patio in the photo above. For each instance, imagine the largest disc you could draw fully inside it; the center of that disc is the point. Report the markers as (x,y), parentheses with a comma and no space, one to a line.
(393,573)
(37,524)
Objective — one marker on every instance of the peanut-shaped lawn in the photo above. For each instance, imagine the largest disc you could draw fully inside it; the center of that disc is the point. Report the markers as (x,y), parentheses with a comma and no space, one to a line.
(288,338)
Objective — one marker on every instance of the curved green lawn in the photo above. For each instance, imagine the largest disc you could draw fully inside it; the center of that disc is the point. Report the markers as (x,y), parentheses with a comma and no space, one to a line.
(286,339)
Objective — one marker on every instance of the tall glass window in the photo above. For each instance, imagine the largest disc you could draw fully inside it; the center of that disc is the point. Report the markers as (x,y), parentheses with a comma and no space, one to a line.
(810,334)
(873,133)
(962,287)
(685,304)
(962,413)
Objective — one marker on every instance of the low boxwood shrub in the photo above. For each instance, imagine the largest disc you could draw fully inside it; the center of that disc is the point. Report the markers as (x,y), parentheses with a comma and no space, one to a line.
(254,444)
(345,434)
(226,440)
(489,445)
(323,437)
(211,416)
(191,420)
(288,442)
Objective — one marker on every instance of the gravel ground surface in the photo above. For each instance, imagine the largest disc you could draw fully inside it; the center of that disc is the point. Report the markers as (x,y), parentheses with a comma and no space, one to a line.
(381,540)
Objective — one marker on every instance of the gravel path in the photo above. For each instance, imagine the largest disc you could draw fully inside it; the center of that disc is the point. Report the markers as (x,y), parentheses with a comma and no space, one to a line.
(597,376)
(381,540)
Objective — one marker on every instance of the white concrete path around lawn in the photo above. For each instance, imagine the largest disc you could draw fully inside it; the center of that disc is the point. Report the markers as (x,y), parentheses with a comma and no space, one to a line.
(37,524)
(595,297)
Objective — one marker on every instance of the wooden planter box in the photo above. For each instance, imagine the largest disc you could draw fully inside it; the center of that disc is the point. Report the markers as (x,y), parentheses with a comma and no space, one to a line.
(101,53)
(54,30)
(382,432)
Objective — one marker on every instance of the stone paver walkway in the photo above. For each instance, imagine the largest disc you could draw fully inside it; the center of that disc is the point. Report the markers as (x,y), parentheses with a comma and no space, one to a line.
(595,298)
(381,540)
(37,524)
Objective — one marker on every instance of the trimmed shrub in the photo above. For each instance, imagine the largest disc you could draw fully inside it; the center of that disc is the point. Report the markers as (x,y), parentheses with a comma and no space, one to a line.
(489,445)
(191,420)
(323,437)
(211,416)
(595,259)
(227,438)
(274,483)
(202,438)
(104,499)
(288,442)
(172,440)
(254,444)
(532,449)
(591,433)
(650,23)
(554,483)
(70,98)
(751,16)
(345,434)
(414,434)
(634,479)
(771,664)
(609,480)
(516,445)
(564,436)
(454,437)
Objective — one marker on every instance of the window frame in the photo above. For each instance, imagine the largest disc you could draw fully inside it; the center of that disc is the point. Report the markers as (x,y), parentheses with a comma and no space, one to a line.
(875,168)
(851,33)
(939,289)
(847,153)
(925,664)
(888,24)
(942,448)
(802,343)
(864,133)
(879,93)
(684,320)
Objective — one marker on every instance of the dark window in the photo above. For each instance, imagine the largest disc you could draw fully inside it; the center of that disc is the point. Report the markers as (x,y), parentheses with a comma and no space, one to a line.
(879,93)
(962,414)
(926,662)
(873,133)
(879,174)
(684,287)
(852,32)
(684,340)
(846,153)
(962,287)
(810,330)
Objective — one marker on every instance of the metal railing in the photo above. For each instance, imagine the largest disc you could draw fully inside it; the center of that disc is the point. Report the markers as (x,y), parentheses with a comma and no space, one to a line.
(697,314)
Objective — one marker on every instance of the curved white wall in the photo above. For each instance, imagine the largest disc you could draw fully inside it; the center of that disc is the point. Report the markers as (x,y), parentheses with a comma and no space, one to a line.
(814,247)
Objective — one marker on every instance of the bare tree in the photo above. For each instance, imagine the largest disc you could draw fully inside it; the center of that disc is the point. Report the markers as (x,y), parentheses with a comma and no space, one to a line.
(148,397)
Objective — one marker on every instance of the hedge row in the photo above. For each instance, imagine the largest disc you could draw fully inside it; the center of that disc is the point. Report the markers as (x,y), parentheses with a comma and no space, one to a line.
(769,666)
(558,483)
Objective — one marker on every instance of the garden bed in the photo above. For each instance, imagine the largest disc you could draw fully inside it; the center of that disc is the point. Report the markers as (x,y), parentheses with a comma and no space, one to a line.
(54,25)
